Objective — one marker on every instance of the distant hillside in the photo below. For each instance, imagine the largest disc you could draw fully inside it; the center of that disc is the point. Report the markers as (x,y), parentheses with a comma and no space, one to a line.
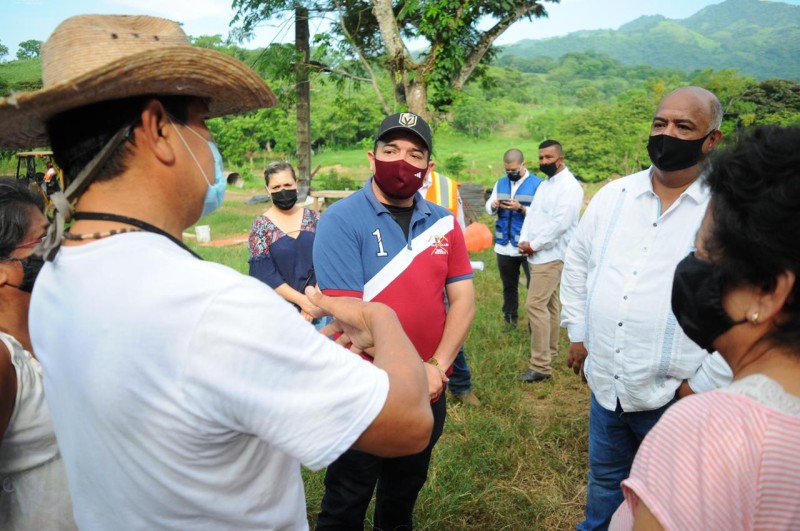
(759,38)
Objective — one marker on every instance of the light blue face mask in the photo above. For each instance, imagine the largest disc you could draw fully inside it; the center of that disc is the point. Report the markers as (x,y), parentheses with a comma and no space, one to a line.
(215,192)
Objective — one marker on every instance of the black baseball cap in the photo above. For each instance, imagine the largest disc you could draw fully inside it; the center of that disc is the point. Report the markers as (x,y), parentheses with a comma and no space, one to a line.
(407,121)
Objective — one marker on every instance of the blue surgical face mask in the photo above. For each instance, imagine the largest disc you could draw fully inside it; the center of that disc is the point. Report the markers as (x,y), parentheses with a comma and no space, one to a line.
(216,190)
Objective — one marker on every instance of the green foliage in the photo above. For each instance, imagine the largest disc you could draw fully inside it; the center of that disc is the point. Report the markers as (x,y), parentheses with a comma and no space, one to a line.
(20,75)
(760,39)
(455,165)
(333,181)
(3,51)
(478,116)
(29,49)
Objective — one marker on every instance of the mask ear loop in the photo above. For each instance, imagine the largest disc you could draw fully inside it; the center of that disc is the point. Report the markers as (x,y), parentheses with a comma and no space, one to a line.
(208,182)
(63,202)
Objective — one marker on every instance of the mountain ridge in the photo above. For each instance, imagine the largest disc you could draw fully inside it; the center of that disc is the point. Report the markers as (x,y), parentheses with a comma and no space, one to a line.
(759,38)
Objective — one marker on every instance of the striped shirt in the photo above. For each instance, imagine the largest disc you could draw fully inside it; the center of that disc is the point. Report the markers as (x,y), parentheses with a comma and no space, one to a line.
(726,459)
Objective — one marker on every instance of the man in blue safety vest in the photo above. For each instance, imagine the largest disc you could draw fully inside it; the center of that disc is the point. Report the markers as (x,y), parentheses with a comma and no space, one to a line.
(511,196)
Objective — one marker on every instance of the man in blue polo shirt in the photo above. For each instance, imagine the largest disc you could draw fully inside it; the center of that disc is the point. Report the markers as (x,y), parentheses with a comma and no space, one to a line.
(385,243)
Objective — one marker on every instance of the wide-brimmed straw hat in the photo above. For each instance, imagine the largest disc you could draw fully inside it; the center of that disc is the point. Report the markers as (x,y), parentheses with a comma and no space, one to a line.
(94,58)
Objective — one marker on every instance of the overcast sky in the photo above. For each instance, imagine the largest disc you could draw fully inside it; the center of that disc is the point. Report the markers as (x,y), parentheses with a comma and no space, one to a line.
(36,19)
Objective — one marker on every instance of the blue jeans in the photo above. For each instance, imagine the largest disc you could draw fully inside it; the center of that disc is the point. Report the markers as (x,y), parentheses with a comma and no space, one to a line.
(614,438)
(461,377)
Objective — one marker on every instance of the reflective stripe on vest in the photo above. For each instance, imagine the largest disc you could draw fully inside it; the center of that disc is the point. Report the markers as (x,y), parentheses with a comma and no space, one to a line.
(509,223)
(444,192)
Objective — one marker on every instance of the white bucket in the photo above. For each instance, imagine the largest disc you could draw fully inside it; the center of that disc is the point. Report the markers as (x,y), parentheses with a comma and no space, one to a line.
(203,233)
(476,266)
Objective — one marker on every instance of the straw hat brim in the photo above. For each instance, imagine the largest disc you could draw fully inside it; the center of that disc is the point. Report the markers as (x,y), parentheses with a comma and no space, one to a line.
(229,86)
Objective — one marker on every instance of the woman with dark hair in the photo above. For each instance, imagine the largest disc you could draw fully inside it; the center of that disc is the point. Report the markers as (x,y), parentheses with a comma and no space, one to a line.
(281,240)
(33,484)
(729,459)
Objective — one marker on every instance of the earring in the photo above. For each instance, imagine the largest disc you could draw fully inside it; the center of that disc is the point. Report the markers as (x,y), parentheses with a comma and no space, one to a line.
(754,318)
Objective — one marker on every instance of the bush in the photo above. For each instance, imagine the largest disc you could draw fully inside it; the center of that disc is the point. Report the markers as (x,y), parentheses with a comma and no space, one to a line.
(333,181)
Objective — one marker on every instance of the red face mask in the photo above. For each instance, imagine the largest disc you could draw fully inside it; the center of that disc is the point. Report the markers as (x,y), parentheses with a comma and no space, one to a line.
(398,179)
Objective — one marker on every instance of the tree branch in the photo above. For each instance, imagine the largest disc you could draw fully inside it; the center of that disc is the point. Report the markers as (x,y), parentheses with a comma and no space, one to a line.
(486,40)
(373,78)
(321,67)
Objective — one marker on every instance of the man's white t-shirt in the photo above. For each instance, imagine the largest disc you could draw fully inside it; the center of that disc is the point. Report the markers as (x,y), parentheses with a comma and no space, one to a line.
(185,395)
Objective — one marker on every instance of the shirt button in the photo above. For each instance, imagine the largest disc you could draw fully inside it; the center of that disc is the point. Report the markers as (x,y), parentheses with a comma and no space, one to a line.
(617,351)
(616,376)
(625,297)
(619,324)
(655,224)
(634,273)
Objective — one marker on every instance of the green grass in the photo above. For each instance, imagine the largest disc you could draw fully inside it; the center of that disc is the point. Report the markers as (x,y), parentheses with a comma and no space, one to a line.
(517,462)
(21,71)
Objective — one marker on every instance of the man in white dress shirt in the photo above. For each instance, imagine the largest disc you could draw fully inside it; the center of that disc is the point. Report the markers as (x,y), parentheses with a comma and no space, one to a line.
(548,227)
(616,290)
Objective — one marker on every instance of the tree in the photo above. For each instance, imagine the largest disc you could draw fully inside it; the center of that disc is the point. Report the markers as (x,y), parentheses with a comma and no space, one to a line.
(3,51)
(29,49)
(376,33)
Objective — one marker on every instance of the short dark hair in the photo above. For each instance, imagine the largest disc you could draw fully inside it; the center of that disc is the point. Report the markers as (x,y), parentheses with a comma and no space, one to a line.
(16,201)
(77,135)
(548,143)
(755,200)
(277,167)
(513,155)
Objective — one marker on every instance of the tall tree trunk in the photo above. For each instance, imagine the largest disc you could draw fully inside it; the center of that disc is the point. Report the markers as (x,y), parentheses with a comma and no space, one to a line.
(417,97)
(303,103)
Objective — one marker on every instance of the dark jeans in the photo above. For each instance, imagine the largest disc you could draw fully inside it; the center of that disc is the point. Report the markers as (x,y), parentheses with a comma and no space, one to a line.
(350,480)
(461,378)
(614,438)
(508,266)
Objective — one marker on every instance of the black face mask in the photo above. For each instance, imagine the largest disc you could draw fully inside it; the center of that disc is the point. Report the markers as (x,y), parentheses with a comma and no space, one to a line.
(285,199)
(668,153)
(548,169)
(31,265)
(697,302)
(514,176)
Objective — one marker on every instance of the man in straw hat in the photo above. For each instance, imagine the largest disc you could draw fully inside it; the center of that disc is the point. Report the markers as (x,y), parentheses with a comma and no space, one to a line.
(183,393)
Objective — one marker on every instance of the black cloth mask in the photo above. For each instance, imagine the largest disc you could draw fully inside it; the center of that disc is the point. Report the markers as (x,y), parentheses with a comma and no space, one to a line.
(548,169)
(31,266)
(513,176)
(668,153)
(285,199)
(697,302)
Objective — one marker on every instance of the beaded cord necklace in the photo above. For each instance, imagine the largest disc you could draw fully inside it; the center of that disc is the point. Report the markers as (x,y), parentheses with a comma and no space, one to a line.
(141,225)
(98,235)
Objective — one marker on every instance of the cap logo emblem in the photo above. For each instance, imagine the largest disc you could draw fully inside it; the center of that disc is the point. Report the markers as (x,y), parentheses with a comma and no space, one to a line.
(408,119)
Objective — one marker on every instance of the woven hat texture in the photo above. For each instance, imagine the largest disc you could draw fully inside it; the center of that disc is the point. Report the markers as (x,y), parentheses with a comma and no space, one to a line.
(93,58)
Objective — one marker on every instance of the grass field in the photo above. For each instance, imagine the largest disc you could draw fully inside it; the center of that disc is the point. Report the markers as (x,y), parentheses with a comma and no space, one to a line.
(517,462)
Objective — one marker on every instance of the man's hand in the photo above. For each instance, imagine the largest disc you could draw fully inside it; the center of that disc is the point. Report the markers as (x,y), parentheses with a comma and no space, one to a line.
(525,248)
(576,358)
(353,317)
(436,380)
(512,204)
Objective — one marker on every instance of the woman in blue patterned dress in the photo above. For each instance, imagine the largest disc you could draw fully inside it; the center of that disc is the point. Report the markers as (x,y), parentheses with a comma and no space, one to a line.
(282,238)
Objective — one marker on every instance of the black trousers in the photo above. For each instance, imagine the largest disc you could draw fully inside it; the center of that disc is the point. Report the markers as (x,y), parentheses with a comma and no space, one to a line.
(508,266)
(351,479)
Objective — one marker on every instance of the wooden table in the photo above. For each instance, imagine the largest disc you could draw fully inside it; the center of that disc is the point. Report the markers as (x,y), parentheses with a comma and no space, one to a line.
(327,194)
